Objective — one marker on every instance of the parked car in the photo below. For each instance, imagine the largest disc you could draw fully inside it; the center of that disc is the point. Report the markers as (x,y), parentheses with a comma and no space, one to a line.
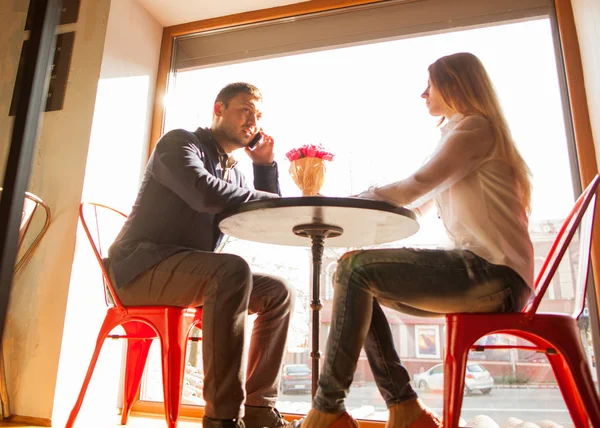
(295,377)
(477,378)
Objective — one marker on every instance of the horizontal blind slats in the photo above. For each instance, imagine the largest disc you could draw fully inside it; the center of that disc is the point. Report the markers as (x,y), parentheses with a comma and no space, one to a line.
(346,27)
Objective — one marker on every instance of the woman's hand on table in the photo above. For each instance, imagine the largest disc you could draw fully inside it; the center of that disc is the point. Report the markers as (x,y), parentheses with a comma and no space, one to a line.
(372,195)
(369,194)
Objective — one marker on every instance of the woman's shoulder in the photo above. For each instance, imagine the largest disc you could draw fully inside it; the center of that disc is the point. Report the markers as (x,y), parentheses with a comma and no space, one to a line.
(474,121)
(475,126)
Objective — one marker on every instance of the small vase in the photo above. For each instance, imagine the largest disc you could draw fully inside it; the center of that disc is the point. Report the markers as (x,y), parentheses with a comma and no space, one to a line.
(308,174)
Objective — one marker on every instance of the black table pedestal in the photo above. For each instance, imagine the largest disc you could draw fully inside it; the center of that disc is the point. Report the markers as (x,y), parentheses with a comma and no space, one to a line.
(317,233)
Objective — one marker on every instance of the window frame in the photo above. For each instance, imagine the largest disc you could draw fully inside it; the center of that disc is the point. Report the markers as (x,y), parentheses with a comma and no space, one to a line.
(573,82)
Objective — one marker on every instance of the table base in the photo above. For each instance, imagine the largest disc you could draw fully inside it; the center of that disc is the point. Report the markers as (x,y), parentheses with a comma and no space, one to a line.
(317,233)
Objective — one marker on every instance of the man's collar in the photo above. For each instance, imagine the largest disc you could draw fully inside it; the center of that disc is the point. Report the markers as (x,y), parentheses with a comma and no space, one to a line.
(210,137)
(226,161)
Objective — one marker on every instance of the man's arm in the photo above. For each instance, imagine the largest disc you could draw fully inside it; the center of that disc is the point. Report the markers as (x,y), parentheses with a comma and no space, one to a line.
(266,174)
(266,178)
(178,164)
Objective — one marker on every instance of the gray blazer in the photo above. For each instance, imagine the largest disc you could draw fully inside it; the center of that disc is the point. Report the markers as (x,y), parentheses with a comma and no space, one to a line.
(182,191)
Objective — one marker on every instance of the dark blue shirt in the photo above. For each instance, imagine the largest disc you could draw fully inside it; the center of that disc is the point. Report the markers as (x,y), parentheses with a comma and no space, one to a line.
(182,191)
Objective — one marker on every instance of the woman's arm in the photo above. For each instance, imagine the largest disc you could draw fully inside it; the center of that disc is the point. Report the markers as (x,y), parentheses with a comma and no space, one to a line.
(465,148)
(422,209)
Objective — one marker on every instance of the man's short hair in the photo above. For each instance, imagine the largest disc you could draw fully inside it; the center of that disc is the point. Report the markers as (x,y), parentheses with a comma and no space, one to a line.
(228,92)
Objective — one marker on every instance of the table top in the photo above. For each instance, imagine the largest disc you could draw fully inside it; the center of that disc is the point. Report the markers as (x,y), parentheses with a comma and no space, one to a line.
(364,222)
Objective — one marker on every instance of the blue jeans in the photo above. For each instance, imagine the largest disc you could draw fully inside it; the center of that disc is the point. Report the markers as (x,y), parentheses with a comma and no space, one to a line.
(425,283)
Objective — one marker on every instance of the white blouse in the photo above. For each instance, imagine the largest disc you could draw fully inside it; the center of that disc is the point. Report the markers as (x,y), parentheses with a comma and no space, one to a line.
(475,194)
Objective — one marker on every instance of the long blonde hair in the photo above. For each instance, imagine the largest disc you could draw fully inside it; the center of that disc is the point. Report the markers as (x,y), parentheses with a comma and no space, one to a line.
(465,86)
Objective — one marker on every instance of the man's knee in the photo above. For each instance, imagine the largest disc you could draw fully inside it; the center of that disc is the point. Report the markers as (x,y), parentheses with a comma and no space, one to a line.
(285,291)
(236,272)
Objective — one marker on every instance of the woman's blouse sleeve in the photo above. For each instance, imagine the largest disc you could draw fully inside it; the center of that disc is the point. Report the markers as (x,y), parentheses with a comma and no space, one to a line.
(465,148)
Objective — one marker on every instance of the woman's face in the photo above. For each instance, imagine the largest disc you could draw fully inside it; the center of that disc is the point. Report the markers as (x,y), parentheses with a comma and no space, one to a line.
(435,103)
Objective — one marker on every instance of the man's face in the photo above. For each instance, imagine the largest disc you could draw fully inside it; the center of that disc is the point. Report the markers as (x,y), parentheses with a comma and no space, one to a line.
(239,121)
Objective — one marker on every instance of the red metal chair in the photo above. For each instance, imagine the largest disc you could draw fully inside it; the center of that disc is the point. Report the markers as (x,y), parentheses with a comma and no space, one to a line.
(142,324)
(556,335)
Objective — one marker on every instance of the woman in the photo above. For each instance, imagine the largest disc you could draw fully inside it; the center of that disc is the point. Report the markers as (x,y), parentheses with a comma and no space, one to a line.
(480,185)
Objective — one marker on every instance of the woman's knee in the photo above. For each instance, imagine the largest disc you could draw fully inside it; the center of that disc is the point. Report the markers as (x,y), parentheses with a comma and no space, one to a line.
(349,256)
(347,261)
(347,265)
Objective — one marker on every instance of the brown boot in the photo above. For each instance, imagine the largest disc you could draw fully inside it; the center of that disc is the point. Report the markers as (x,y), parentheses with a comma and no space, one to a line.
(428,419)
(263,417)
(222,423)
(343,421)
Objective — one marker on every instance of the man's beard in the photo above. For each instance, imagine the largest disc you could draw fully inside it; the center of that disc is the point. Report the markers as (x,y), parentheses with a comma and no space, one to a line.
(235,138)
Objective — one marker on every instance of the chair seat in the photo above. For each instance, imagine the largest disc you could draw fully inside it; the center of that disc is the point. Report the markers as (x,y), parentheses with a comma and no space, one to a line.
(532,327)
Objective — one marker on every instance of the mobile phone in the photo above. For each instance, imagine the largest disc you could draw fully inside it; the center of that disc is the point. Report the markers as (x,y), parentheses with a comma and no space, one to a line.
(255,140)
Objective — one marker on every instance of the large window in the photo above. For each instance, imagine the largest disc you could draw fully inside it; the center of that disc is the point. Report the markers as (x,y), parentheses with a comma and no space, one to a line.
(362,102)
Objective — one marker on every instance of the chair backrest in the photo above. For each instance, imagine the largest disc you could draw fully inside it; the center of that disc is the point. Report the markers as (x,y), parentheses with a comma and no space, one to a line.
(102,224)
(580,218)
(31,204)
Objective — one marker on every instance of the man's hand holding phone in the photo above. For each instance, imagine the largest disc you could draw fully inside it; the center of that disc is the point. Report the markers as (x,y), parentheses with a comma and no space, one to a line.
(260,149)
(255,140)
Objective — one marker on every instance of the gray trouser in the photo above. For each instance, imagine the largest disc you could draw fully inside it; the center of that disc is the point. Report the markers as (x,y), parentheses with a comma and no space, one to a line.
(419,282)
(227,291)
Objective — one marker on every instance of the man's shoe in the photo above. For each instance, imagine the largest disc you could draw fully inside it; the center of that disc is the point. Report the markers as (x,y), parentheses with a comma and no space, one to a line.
(222,423)
(263,417)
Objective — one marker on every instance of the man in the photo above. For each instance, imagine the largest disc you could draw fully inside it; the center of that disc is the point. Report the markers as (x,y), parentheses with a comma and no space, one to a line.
(164,255)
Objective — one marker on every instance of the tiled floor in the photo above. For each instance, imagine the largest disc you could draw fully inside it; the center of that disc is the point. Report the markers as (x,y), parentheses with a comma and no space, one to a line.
(134,422)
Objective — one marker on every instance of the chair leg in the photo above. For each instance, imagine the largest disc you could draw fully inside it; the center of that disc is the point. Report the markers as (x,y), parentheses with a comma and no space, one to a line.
(573,375)
(137,354)
(589,397)
(569,390)
(107,326)
(455,363)
(173,351)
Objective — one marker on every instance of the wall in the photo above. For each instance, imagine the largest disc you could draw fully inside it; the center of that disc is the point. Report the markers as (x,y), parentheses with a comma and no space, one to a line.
(33,333)
(587,20)
(117,153)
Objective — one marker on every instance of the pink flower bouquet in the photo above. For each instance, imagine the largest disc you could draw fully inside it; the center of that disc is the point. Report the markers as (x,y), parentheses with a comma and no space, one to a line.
(307,167)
